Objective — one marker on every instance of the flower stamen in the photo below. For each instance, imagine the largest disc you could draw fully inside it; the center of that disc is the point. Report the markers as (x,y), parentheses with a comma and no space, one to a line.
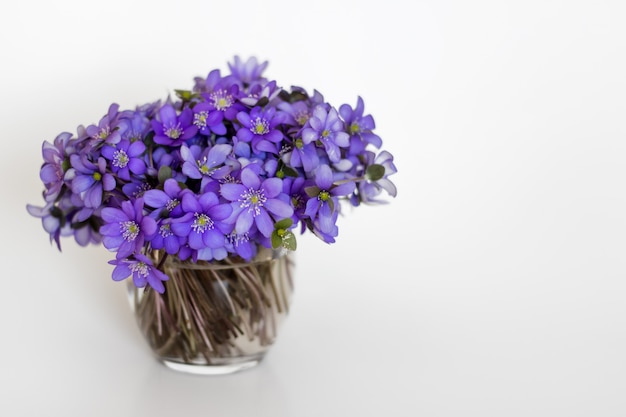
(260,126)
(120,158)
(130,230)
(253,200)
(202,223)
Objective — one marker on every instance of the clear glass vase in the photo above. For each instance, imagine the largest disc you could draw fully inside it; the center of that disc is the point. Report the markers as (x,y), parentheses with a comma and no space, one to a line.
(215,318)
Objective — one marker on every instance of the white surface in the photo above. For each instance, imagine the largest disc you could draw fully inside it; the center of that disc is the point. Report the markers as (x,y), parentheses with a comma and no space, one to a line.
(494,285)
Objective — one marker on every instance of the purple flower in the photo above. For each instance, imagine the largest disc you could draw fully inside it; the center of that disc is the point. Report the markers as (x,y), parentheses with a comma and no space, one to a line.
(90,180)
(359,127)
(214,81)
(260,93)
(166,202)
(220,94)
(136,188)
(248,72)
(324,198)
(298,112)
(241,245)
(208,120)
(326,127)
(137,126)
(142,270)
(126,158)
(202,224)
(254,200)
(126,229)
(56,162)
(302,155)
(172,129)
(166,239)
(294,188)
(260,128)
(52,220)
(234,165)
(207,164)
(109,129)
(369,190)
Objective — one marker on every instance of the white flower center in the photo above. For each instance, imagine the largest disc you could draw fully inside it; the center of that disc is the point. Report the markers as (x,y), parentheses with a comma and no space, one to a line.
(174,132)
(202,223)
(253,200)
(165,230)
(172,204)
(120,158)
(130,230)
(221,100)
(140,268)
(260,126)
(199,119)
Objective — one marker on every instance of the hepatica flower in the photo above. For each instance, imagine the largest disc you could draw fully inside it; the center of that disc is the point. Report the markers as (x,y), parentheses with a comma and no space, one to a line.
(202,224)
(173,129)
(90,179)
(260,127)
(324,198)
(256,203)
(125,158)
(126,229)
(142,270)
(232,165)
(326,127)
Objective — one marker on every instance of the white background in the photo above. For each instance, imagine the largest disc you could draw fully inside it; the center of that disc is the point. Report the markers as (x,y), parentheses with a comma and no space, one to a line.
(493,285)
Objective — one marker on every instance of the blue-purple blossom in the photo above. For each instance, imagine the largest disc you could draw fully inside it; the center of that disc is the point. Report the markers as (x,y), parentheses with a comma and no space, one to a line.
(165,202)
(219,95)
(203,222)
(205,164)
(90,180)
(137,126)
(208,120)
(56,162)
(256,202)
(260,128)
(303,155)
(327,128)
(109,129)
(324,201)
(52,220)
(369,190)
(260,93)
(126,158)
(141,268)
(249,72)
(359,127)
(215,172)
(125,229)
(173,129)
(241,245)
(165,238)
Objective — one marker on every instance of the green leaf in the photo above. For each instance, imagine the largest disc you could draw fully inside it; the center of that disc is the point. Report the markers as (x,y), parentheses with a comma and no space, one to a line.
(375,172)
(290,171)
(283,224)
(165,173)
(289,241)
(184,94)
(312,191)
(277,241)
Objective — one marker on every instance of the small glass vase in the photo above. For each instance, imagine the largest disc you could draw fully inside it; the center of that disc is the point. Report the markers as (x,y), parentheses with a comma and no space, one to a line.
(215,318)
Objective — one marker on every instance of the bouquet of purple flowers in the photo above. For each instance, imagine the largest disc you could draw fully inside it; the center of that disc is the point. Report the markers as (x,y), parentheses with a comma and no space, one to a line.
(232,165)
